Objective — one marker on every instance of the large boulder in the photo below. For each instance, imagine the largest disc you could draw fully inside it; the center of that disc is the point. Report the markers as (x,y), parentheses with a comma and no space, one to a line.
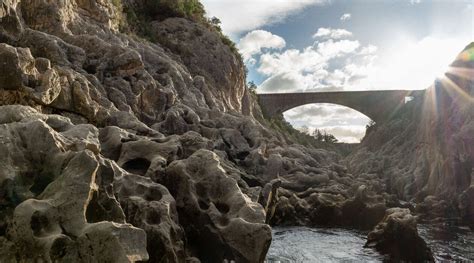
(221,223)
(397,236)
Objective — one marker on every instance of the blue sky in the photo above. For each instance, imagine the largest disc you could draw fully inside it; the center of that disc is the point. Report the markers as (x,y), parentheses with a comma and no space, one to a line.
(318,45)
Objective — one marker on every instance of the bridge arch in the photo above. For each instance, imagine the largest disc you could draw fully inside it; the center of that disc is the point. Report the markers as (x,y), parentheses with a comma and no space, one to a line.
(378,105)
(346,124)
(337,110)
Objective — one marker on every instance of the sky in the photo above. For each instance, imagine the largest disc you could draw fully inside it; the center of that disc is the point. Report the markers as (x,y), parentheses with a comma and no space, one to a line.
(325,45)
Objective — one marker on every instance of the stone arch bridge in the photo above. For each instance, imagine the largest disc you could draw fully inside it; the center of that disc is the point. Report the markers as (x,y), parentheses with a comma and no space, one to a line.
(378,105)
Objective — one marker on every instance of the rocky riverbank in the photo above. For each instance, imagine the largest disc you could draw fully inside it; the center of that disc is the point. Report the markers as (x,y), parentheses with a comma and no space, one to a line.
(128,134)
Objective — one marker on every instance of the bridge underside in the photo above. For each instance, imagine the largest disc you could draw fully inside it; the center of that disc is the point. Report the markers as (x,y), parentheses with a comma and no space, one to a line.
(378,105)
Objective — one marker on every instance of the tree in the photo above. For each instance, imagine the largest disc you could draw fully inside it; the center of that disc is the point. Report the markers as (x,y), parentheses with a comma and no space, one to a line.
(323,136)
(329,138)
(215,21)
(370,124)
(304,129)
(251,85)
(318,135)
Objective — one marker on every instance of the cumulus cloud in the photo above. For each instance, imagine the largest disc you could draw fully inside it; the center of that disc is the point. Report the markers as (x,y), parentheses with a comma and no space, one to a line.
(345,17)
(324,112)
(254,42)
(312,68)
(332,33)
(346,124)
(246,15)
(290,60)
(331,48)
(283,82)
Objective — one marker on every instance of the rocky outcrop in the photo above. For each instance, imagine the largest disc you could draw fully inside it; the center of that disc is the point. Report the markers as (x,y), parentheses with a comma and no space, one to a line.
(219,220)
(129,150)
(50,174)
(223,69)
(397,236)
(424,155)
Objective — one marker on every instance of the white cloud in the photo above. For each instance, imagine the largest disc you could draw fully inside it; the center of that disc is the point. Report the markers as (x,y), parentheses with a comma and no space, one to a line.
(283,82)
(331,48)
(332,33)
(345,17)
(246,15)
(346,124)
(253,43)
(310,69)
(369,50)
(291,60)
(414,2)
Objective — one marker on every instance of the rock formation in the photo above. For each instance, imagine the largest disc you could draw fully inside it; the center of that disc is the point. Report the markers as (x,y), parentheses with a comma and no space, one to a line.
(397,236)
(128,134)
(429,161)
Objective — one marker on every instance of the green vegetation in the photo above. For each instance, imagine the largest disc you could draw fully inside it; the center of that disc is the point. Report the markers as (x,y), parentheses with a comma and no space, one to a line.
(252,87)
(279,123)
(138,20)
(162,9)
(215,24)
(323,136)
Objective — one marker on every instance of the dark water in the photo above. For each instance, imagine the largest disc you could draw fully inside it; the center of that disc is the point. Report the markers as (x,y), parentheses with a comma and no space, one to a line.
(449,242)
(302,244)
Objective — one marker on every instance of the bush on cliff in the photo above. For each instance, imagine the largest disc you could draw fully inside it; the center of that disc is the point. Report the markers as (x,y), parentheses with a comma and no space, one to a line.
(140,15)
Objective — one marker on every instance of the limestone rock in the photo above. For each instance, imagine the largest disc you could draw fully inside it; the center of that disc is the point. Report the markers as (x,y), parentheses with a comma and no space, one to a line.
(268,198)
(397,236)
(48,189)
(149,206)
(220,222)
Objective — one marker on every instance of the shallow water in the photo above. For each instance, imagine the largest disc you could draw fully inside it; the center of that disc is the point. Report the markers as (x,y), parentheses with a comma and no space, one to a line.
(303,244)
(449,242)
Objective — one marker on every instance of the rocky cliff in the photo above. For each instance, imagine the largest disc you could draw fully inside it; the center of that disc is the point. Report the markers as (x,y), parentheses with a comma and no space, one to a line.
(132,142)
(128,134)
(425,154)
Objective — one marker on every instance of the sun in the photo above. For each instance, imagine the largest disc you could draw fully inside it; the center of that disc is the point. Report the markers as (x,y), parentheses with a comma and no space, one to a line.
(414,64)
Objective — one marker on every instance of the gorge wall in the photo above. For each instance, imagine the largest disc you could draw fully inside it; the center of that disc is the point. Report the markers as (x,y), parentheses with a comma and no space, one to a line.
(425,155)
(130,142)
(128,134)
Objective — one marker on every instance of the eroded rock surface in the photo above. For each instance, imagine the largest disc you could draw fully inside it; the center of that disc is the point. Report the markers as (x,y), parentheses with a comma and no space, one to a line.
(106,117)
(120,148)
(49,179)
(425,155)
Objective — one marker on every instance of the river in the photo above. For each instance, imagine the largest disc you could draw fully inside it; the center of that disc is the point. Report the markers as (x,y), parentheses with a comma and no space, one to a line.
(303,244)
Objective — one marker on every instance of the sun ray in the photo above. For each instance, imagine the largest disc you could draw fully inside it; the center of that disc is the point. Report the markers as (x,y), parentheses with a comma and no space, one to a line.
(466,73)
(455,91)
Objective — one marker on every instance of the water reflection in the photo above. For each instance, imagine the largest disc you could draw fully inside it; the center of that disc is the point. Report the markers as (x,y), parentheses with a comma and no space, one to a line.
(449,241)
